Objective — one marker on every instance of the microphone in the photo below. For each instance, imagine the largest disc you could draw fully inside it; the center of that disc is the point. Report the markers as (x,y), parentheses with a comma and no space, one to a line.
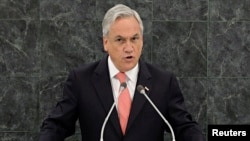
(122,87)
(141,90)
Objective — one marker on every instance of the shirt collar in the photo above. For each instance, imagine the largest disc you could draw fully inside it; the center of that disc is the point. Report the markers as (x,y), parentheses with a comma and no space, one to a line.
(131,74)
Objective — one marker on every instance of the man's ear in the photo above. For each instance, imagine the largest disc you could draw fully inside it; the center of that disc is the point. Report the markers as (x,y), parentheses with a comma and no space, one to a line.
(105,42)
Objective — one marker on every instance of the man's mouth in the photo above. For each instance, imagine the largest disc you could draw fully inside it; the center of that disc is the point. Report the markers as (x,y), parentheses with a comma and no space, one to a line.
(129,57)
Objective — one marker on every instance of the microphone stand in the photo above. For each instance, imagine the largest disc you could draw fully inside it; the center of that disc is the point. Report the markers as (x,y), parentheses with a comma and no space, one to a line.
(142,91)
(122,87)
(106,120)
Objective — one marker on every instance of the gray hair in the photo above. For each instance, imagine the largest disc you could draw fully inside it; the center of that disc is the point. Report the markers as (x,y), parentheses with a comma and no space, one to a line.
(118,11)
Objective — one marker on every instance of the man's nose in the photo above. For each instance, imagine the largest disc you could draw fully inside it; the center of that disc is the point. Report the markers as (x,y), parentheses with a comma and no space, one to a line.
(128,46)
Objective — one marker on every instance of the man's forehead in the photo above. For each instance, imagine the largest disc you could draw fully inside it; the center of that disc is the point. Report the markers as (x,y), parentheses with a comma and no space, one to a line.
(122,36)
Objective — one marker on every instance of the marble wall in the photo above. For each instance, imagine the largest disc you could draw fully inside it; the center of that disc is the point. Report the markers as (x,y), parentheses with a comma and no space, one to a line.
(206,43)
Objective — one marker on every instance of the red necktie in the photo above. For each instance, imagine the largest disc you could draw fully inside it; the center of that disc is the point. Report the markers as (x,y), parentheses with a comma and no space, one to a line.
(124,103)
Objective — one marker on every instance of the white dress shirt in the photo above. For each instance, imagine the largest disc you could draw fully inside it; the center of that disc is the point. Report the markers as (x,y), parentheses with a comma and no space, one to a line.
(115,83)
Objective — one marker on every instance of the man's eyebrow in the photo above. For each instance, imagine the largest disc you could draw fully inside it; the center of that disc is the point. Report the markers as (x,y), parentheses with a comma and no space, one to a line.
(119,36)
(137,34)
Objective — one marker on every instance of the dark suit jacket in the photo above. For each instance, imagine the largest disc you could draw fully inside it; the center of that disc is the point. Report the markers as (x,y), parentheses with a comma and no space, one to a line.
(88,98)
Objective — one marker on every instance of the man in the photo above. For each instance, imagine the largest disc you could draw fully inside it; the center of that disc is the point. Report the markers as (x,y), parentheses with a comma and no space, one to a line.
(91,90)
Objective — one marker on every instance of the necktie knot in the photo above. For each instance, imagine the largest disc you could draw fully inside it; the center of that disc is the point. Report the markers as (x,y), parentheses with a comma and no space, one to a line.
(121,76)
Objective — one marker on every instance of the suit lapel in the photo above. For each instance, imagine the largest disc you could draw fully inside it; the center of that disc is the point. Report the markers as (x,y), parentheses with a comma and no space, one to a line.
(102,84)
(144,79)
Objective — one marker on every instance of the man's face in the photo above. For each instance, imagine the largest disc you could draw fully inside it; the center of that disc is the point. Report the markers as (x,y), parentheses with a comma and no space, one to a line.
(124,43)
